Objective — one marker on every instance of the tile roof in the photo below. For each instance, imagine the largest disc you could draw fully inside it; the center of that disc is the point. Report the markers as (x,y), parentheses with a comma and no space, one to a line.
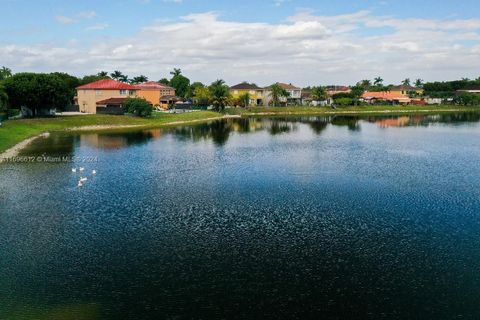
(287,86)
(384,96)
(245,86)
(107,84)
(338,88)
(112,101)
(152,85)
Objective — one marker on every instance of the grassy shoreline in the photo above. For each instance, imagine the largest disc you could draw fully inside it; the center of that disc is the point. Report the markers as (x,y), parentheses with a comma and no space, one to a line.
(15,131)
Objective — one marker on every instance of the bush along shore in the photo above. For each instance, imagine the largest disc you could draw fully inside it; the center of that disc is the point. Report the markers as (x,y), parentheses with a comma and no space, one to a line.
(14,132)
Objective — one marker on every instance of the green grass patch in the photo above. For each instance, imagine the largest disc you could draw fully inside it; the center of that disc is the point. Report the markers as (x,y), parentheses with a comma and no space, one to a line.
(15,131)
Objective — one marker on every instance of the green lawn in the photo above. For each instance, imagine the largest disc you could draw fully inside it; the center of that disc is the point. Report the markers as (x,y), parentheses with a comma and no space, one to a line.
(14,131)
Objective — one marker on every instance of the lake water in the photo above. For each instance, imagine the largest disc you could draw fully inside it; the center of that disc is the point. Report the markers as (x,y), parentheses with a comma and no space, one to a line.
(289,218)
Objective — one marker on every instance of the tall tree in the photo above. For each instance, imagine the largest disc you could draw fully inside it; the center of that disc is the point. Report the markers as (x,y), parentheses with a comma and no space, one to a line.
(419,83)
(319,94)
(245,99)
(102,74)
(202,96)
(119,76)
(378,81)
(365,84)
(406,82)
(356,93)
(181,85)
(37,91)
(277,92)
(139,79)
(5,73)
(220,94)
(3,97)
(176,72)
(192,88)
(164,81)
(72,83)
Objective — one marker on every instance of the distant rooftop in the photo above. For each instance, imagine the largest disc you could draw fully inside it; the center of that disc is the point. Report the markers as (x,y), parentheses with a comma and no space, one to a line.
(245,86)
(107,84)
(287,86)
(152,85)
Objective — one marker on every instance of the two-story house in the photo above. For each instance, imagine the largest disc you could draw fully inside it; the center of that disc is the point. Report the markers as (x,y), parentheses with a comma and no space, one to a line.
(156,93)
(406,90)
(255,92)
(107,94)
(294,94)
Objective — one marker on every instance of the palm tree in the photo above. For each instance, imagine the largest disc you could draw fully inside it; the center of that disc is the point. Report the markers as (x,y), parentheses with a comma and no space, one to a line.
(5,73)
(319,94)
(119,76)
(277,92)
(406,82)
(419,83)
(365,84)
(102,74)
(245,99)
(139,79)
(220,94)
(378,81)
(176,72)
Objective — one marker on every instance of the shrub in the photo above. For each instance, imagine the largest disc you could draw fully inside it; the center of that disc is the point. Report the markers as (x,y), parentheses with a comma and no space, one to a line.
(343,102)
(137,106)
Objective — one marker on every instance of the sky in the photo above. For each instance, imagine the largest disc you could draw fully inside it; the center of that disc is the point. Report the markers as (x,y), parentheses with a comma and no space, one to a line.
(304,42)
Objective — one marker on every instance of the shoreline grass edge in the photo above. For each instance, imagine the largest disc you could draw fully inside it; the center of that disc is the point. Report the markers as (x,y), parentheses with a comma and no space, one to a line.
(16,134)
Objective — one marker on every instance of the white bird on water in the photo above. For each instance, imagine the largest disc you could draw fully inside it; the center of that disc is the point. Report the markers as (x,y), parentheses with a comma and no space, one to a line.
(74,170)
(80,184)
(94,172)
(81,169)
(83,179)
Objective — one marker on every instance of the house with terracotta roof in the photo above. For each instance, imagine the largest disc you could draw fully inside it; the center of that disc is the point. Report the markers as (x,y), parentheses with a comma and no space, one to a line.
(256,93)
(333,90)
(294,98)
(386,96)
(158,94)
(95,95)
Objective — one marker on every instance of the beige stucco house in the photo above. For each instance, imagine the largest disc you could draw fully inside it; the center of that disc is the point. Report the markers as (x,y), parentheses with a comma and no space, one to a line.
(90,94)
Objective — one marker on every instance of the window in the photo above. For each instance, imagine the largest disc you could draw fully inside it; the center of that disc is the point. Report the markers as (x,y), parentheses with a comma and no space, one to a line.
(131,92)
(98,92)
(123,92)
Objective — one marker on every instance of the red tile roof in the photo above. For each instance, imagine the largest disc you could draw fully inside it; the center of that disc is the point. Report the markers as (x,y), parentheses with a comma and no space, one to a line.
(107,84)
(152,85)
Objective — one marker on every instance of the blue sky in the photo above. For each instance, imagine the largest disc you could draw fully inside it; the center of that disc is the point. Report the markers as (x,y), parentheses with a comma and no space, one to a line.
(313,42)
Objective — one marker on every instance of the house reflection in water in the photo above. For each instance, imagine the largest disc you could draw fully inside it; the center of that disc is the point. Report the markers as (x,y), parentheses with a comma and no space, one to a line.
(393,122)
(113,141)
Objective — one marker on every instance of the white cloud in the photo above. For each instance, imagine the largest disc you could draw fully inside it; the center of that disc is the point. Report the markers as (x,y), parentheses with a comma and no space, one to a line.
(306,49)
(83,15)
(98,26)
(87,14)
(64,20)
